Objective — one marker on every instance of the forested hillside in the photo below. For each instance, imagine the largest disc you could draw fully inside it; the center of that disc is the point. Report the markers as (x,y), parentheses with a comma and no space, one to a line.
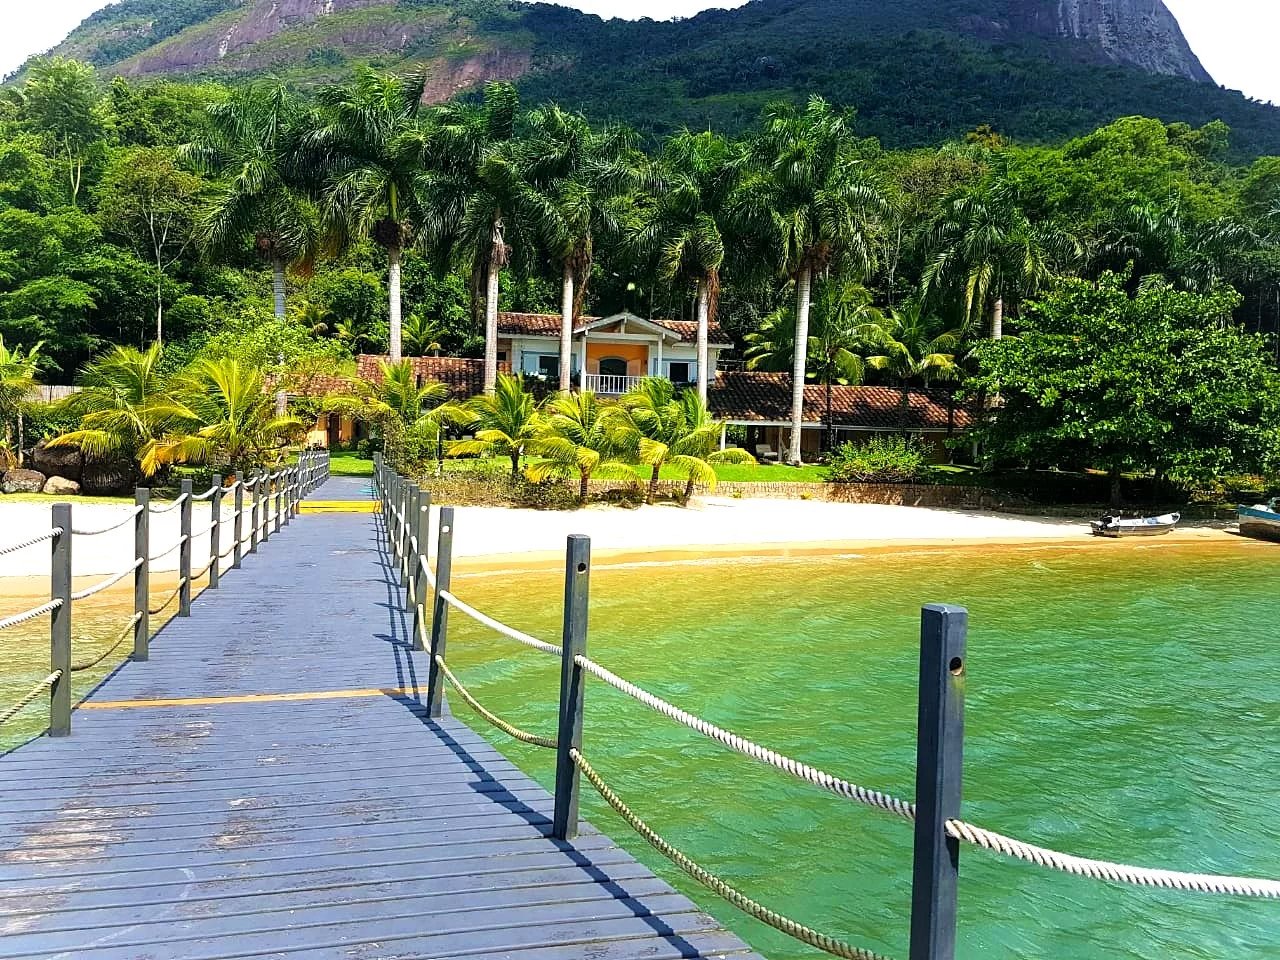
(918,71)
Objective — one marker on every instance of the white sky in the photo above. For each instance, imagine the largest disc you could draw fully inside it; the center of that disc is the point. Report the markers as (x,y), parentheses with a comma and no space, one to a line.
(1236,39)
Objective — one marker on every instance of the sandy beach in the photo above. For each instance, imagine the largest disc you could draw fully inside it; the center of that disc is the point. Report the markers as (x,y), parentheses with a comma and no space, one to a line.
(712,526)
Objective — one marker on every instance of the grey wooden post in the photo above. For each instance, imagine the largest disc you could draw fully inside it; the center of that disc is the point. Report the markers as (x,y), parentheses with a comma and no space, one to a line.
(255,526)
(184,553)
(215,532)
(404,532)
(281,481)
(142,575)
(577,583)
(267,496)
(298,491)
(939,759)
(238,521)
(440,614)
(422,530)
(410,531)
(60,625)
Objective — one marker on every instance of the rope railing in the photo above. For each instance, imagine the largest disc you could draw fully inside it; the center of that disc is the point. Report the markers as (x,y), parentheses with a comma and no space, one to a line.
(33,541)
(126,519)
(208,494)
(509,729)
(170,507)
(32,614)
(497,626)
(82,665)
(31,697)
(177,591)
(164,553)
(107,583)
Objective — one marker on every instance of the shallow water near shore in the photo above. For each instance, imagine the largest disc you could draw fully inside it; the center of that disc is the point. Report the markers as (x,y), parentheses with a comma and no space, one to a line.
(1122,703)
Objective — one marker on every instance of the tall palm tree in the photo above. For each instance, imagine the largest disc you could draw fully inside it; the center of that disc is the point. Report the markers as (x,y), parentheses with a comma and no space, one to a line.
(506,422)
(218,412)
(249,147)
(656,426)
(473,180)
(397,394)
(984,251)
(570,176)
(688,223)
(576,439)
(368,147)
(812,206)
(17,379)
(911,347)
(119,405)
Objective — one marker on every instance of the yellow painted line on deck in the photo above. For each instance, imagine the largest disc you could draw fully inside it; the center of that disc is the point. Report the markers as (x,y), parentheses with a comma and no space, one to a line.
(247,698)
(340,506)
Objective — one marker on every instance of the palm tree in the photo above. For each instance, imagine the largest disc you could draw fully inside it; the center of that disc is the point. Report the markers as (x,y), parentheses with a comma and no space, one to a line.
(985,251)
(656,426)
(248,146)
(219,412)
(17,379)
(808,203)
(570,176)
(687,226)
(422,335)
(506,422)
(910,347)
(474,177)
(576,439)
(398,395)
(369,149)
(119,405)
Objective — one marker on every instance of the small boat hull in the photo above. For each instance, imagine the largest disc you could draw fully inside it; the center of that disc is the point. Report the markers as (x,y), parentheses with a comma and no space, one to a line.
(1259,523)
(1148,527)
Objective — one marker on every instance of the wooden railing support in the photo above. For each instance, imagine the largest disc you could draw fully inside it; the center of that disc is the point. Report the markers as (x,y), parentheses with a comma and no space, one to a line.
(281,481)
(939,761)
(215,531)
(403,540)
(255,523)
(577,582)
(422,530)
(237,522)
(184,552)
(142,575)
(440,614)
(60,625)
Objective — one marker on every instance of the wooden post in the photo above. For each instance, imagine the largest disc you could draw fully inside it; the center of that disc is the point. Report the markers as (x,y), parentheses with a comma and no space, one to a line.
(215,532)
(410,532)
(60,625)
(280,484)
(142,575)
(268,494)
(255,526)
(184,552)
(939,759)
(238,521)
(440,613)
(577,582)
(422,530)
(404,533)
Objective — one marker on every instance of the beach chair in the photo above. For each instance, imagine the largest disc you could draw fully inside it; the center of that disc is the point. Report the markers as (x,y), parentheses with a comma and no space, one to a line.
(766,453)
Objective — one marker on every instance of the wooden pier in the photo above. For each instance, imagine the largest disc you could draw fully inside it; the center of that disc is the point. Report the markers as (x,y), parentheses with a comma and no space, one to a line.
(269,784)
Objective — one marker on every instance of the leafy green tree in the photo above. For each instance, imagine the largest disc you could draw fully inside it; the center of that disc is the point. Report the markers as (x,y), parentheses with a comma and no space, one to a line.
(812,206)
(1150,382)
(219,412)
(576,438)
(148,200)
(17,379)
(60,99)
(422,335)
(506,423)
(656,426)
(257,202)
(369,149)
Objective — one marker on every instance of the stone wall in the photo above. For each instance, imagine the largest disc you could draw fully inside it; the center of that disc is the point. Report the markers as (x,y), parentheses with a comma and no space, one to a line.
(892,494)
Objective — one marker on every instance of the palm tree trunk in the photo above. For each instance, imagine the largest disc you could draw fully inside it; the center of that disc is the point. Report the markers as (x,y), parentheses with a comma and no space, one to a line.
(515,465)
(804,293)
(277,286)
(566,330)
(704,322)
(653,482)
(1117,490)
(397,320)
(688,490)
(584,489)
(491,331)
(997,319)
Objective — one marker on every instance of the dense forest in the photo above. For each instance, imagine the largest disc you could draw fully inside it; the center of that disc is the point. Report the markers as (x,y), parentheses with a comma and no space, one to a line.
(248,223)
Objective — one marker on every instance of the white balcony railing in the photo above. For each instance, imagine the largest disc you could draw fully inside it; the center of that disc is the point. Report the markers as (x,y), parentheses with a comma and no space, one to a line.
(610,385)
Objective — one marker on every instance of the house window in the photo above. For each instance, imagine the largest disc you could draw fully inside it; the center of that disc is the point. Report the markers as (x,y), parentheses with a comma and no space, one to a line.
(680,371)
(548,366)
(502,356)
(613,367)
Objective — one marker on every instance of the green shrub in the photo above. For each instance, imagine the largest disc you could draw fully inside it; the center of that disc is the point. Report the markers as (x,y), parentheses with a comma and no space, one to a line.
(887,459)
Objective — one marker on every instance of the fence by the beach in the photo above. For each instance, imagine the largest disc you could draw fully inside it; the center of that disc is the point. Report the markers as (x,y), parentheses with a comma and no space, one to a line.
(936,815)
(262,503)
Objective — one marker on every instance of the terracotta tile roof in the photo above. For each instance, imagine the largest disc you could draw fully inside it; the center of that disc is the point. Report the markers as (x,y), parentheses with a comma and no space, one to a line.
(310,385)
(752,396)
(548,325)
(463,377)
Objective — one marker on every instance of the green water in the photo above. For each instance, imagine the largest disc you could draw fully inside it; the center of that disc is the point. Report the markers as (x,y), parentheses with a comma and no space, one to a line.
(1122,703)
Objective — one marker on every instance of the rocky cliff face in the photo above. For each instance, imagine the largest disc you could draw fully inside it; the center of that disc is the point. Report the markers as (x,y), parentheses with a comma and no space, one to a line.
(1134,33)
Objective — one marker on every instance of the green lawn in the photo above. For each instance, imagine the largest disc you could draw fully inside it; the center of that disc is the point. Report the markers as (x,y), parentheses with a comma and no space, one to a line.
(734,472)
(350,465)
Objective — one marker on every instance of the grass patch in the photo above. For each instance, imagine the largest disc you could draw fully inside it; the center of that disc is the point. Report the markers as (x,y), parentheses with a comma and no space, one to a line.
(349,465)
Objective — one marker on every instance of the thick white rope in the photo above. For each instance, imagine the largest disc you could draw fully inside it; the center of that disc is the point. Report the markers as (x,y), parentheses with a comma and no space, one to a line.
(173,506)
(207,495)
(164,553)
(31,697)
(42,538)
(90,664)
(115,526)
(109,582)
(173,596)
(511,730)
(31,614)
(498,627)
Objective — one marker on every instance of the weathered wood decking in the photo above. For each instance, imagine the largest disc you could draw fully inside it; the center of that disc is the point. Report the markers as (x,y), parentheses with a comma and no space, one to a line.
(200,811)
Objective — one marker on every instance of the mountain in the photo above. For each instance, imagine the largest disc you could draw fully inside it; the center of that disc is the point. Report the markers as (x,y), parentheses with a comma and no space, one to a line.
(917,70)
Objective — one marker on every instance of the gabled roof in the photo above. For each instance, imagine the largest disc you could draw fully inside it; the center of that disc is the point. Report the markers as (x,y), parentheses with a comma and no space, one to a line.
(749,396)
(463,377)
(548,325)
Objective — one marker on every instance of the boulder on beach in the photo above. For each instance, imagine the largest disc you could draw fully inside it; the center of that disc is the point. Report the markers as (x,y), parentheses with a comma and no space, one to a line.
(61,486)
(19,480)
(58,461)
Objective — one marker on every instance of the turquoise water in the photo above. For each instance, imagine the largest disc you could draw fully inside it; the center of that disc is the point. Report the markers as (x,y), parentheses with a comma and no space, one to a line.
(1123,702)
